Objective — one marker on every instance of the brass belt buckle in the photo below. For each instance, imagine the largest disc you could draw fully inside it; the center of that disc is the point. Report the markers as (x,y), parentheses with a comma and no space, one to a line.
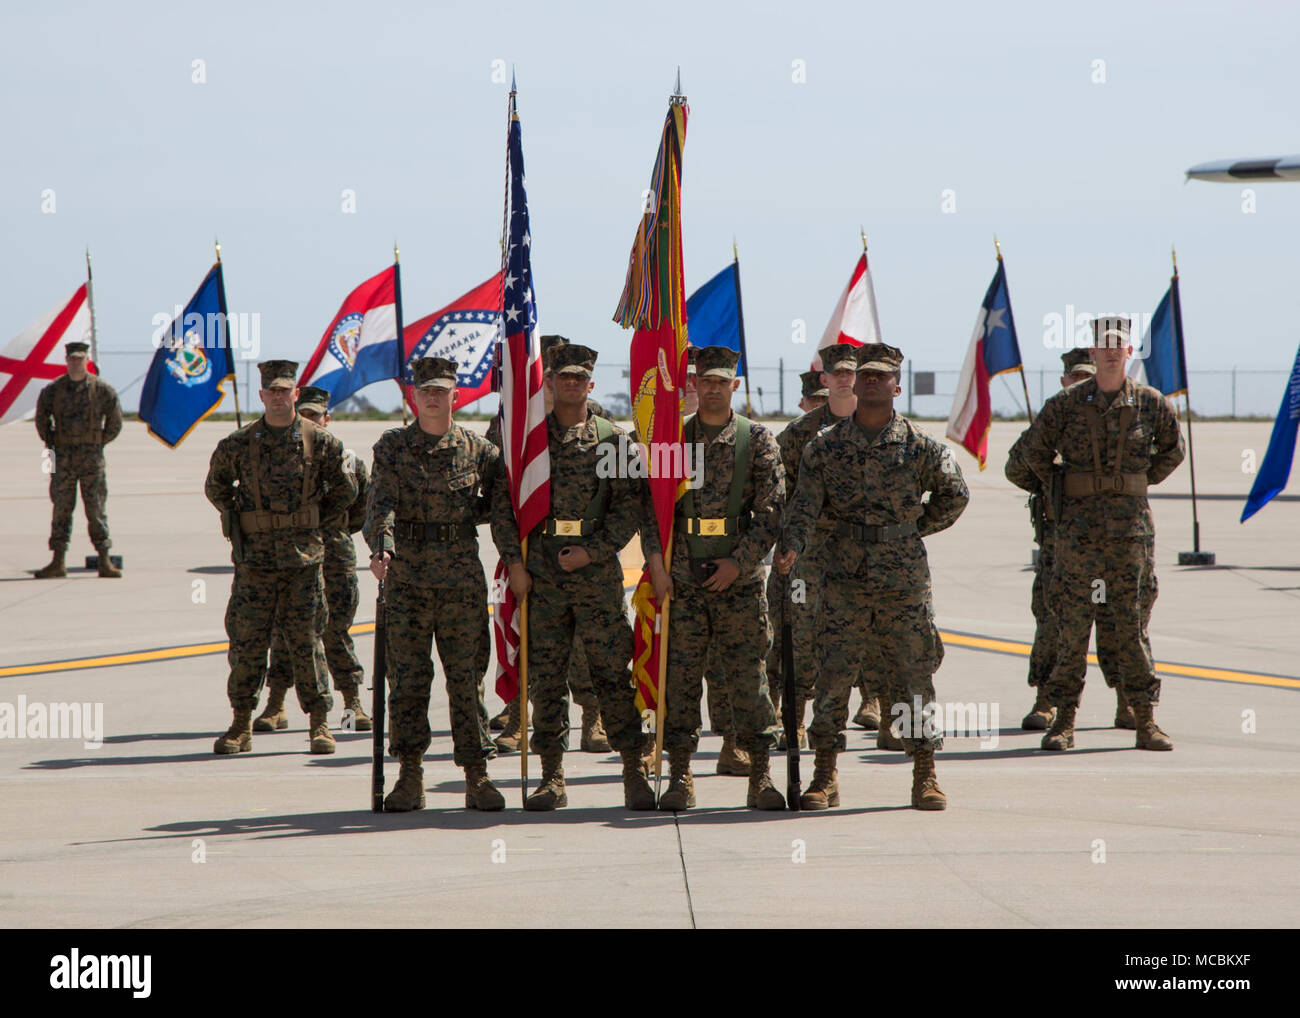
(568,528)
(713,528)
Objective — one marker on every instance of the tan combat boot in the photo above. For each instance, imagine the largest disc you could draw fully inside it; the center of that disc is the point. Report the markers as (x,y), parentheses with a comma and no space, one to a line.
(594,739)
(885,737)
(106,567)
(352,702)
(321,739)
(926,793)
(273,716)
(637,793)
(1061,734)
(681,789)
(551,794)
(508,740)
(408,793)
(824,792)
(1149,735)
(762,793)
(733,760)
(648,757)
(480,793)
(1123,712)
(499,722)
(55,570)
(868,715)
(238,737)
(1041,714)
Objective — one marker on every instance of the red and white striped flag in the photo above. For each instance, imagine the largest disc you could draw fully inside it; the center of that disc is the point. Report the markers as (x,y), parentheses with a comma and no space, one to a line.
(854,320)
(523,410)
(35,356)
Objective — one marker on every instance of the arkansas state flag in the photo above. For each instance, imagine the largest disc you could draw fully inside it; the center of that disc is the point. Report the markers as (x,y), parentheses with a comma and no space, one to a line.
(35,357)
(465,331)
(993,350)
(360,346)
(854,320)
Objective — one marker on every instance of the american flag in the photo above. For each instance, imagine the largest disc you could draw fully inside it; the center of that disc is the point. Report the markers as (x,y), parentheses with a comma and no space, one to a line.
(523,407)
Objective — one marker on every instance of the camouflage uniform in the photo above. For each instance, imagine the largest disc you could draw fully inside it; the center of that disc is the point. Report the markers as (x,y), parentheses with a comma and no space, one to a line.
(1108,536)
(278,581)
(76,420)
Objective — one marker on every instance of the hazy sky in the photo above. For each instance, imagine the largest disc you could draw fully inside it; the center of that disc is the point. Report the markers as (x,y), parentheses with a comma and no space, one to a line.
(1082,181)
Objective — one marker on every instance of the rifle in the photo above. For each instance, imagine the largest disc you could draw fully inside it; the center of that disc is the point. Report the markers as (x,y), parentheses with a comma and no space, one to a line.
(379,684)
(788,719)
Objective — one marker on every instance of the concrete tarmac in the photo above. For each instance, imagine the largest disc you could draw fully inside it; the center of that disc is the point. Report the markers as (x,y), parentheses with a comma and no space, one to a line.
(151,829)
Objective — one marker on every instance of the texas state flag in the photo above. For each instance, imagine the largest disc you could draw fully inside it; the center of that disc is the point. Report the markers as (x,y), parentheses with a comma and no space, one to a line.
(360,346)
(464,331)
(993,350)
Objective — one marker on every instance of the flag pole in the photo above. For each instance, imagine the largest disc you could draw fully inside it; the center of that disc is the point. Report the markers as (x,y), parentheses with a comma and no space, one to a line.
(740,317)
(90,300)
(401,336)
(221,300)
(1195,557)
(1029,410)
(523,688)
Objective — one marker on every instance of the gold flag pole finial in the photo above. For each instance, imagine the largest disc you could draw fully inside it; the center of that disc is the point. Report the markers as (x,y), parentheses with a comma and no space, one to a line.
(863,231)
(997,247)
(1174,255)
(735,251)
(395,258)
(216,242)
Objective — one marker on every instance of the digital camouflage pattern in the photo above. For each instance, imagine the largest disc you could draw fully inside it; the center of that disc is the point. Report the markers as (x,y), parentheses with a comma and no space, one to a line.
(434,589)
(76,420)
(727,630)
(877,612)
(587,603)
(278,581)
(1108,537)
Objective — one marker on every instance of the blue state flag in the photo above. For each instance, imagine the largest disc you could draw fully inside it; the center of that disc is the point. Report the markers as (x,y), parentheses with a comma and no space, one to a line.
(713,315)
(184,381)
(1276,468)
(1162,365)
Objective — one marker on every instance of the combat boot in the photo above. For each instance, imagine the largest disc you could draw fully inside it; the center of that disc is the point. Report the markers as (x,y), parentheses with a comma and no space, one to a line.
(238,737)
(551,794)
(868,715)
(885,737)
(480,793)
(762,793)
(273,716)
(352,702)
(824,792)
(1123,712)
(594,739)
(106,567)
(408,793)
(508,740)
(499,722)
(733,760)
(321,739)
(681,789)
(637,793)
(55,570)
(1041,714)
(926,793)
(1061,734)
(1149,735)
(648,757)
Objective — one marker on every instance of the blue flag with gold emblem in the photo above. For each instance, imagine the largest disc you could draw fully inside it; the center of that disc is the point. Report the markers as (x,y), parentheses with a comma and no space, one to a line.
(1276,468)
(193,359)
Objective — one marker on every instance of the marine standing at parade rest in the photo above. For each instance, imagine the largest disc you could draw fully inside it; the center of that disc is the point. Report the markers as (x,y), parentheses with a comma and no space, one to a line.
(868,475)
(433,484)
(1115,437)
(342,595)
(273,482)
(594,739)
(78,414)
(576,581)
(726,523)
(1078,368)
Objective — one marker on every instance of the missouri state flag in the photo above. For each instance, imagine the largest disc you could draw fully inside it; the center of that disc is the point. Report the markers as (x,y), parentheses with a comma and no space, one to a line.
(465,331)
(361,344)
(993,350)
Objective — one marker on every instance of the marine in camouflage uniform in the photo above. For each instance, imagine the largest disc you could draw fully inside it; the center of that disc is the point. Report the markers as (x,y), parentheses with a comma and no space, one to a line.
(1078,368)
(274,484)
(76,416)
(1113,443)
(725,527)
(433,482)
(594,739)
(868,475)
(574,583)
(342,595)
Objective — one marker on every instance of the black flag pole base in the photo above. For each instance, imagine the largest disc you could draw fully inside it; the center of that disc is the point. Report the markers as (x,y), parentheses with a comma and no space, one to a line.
(1196,558)
(92,561)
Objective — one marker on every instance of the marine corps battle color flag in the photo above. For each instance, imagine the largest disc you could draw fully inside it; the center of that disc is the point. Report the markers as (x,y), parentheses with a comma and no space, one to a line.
(654,303)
